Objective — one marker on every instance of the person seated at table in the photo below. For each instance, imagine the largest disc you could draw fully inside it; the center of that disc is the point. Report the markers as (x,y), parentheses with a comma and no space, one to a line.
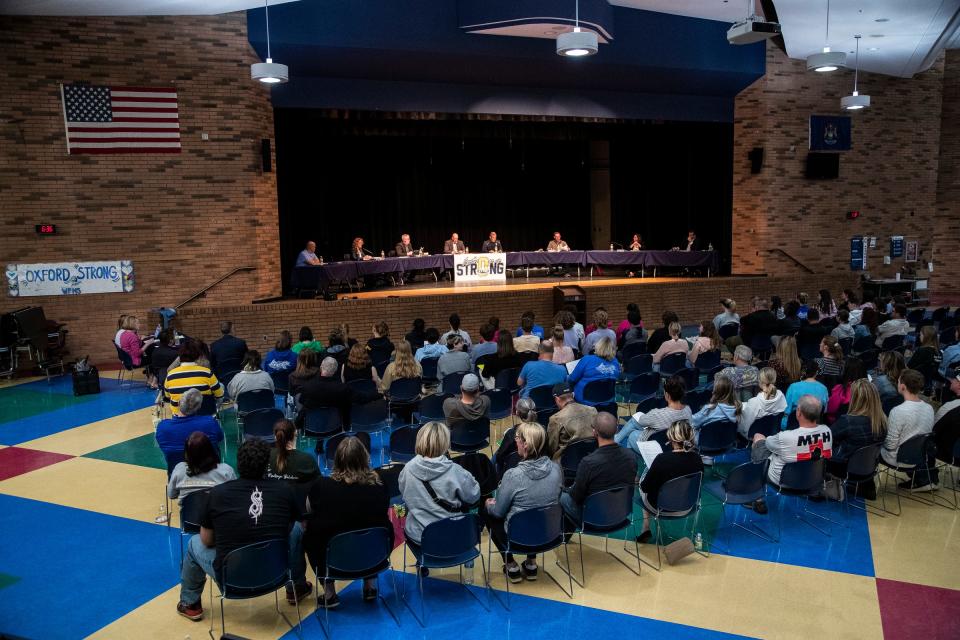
(558,243)
(352,498)
(636,243)
(359,366)
(455,360)
(404,248)
(680,459)
(308,256)
(562,354)
(601,329)
(708,340)
(357,252)
(642,426)
(288,463)
(600,365)
(542,371)
(505,357)
(404,366)
(692,243)
(491,244)
(173,432)
(526,340)
(487,344)
(676,344)
(535,329)
(306,341)
(200,470)
(535,482)
(454,245)
(134,346)
(432,346)
(250,377)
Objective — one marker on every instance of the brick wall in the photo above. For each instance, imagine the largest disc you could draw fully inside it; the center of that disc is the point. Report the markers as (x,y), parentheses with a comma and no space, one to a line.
(946,250)
(890,175)
(183,219)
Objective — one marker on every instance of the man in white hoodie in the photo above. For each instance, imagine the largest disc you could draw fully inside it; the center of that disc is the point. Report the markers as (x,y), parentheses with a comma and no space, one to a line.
(895,326)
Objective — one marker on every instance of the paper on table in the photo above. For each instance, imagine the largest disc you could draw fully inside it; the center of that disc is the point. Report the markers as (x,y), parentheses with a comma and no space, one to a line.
(649,449)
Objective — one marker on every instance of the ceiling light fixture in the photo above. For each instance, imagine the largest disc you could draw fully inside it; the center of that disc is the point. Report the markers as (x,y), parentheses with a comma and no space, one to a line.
(855,101)
(577,43)
(269,72)
(826,60)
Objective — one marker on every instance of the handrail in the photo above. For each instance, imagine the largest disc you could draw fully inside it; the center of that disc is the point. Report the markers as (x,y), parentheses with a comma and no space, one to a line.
(213,284)
(797,262)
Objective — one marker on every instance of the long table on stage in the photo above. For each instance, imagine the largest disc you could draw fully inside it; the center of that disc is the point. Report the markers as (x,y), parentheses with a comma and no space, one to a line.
(320,276)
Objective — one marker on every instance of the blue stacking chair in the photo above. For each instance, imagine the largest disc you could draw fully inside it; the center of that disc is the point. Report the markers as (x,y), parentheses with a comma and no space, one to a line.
(767,425)
(728,330)
(507,379)
(321,423)
(468,436)
(697,398)
(450,542)
(598,392)
(762,346)
(718,437)
(404,392)
(403,441)
(745,484)
(846,344)
(891,343)
(370,417)
(864,343)
(429,370)
(431,408)
(251,401)
(607,512)
(862,467)
(678,499)
(192,507)
(390,477)
(542,396)
(451,383)
(708,360)
(800,479)
(690,377)
(572,454)
(259,423)
(355,555)
(643,386)
(365,387)
(329,451)
(640,363)
(911,455)
(633,350)
(672,363)
(650,403)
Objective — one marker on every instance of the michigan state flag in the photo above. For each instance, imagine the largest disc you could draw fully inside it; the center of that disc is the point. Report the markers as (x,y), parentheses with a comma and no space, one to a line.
(829,133)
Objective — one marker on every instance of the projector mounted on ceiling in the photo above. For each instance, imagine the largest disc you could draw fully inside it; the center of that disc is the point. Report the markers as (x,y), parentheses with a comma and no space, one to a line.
(751,30)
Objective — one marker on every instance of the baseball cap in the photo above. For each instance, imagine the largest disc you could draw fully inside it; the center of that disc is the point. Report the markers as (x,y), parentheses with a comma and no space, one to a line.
(470,383)
(561,389)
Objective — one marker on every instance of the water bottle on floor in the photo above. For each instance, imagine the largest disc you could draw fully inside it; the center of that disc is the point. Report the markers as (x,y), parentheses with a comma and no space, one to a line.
(698,542)
(468,572)
(162,515)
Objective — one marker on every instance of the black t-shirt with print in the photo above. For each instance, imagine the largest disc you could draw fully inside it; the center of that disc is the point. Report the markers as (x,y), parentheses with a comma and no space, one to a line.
(299,467)
(242,512)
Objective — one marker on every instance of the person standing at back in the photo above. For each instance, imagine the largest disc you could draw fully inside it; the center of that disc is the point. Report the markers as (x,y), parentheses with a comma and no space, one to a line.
(228,350)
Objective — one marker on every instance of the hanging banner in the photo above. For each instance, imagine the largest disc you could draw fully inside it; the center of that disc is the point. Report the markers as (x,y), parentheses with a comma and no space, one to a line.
(69,278)
(896,246)
(858,254)
(489,268)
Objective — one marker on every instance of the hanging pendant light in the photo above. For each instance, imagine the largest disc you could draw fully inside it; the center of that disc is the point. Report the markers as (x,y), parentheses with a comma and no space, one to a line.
(269,72)
(827,60)
(855,101)
(577,43)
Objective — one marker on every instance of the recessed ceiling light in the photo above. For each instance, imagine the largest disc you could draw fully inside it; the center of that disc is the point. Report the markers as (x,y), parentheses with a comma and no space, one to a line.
(876,35)
(882,20)
(874,49)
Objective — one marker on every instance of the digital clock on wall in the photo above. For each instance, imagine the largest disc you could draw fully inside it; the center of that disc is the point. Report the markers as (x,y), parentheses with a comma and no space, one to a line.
(46,229)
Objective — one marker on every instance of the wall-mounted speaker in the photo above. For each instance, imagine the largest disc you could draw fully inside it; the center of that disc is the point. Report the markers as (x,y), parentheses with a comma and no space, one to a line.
(756,159)
(266,161)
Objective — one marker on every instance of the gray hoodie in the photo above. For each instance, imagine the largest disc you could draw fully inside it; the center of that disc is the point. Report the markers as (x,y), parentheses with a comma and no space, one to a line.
(529,485)
(449,481)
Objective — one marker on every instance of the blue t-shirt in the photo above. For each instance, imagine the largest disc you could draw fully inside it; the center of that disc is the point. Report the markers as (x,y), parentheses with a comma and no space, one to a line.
(280,361)
(428,350)
(803,388)
(482,349)
(592,368)
(537,331)
(305,258)
(539,373)
(172,433)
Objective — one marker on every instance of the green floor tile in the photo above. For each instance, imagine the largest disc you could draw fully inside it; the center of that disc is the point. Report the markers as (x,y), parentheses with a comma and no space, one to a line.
(142,451)
(16,403)
(6,580)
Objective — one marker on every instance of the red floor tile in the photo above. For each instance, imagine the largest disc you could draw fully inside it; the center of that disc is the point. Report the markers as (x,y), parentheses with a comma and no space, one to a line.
(911,611)
(15,461)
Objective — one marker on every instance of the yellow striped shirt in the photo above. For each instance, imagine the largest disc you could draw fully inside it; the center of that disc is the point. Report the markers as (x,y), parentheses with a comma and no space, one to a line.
(189,376)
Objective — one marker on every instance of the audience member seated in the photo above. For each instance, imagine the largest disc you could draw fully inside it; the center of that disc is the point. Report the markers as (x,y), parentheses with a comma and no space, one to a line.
(826,306)
(535,482)
(744,376)
(562,353)
(306,341)
(708,340)
(241,512)
(505,357)
(526,411)
(889,367)
(469,405)
(661,334)
(535,329)
(675,344)
(339,343)
(863,424)
(632,320)
(379,346)
(572,422)
(286,461)
(133,346)
(895,326)
(869,323)
(432,486)
(486,346)
(455,360)
(352,498)
(417,335)
(308,366)
(844,330)
(250,377)
(600,365)
(227,349)
(601,321)
(679,460)
(540,372)
(282,358)
(760,323)
(946,427)
(327,390)
(804,307)
(593,326)
(729,314)
(808,385)
(608,467)
(768,402)
(404,366)
(811,332)
(927,358)
(786,362)
(431,346)
(573,332)
(776,307)
(455,330)
(163,355)
(789,324)
(910,418)
(951,355)
(830,362)
(724,405)
(189,374)
(853,369)
(359,366)
(494,322)
(527,340)
(643,425)
(200,470)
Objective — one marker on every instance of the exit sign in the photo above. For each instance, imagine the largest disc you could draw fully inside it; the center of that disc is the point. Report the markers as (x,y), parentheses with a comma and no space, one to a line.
(46,229)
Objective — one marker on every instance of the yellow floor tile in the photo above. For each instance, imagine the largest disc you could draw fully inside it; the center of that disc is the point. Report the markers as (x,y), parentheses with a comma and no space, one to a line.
(113,488)
(96,435)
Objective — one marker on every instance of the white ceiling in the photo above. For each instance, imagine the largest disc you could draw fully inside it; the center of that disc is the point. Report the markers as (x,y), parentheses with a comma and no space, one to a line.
(914,33)
(127,7)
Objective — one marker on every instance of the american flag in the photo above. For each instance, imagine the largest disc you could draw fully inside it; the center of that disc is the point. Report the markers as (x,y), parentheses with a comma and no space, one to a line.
(121,119)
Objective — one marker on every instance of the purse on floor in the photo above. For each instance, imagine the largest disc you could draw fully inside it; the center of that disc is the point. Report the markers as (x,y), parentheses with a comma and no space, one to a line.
(677,550)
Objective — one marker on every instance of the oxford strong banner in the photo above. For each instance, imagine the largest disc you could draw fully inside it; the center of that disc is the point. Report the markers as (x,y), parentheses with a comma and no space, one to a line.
(488,268)
(69,278)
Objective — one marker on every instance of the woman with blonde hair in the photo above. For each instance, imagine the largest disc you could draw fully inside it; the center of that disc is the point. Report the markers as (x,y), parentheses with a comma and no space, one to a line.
(729,314)
(681,459)
(535,482)
(927,356)
(404,365)
(600,365)
(769,401)
(352,498)
(131,344)
(708,340)
(601,330)
(864,424)
(786,362)
(724,404)
(675,344)
(562,353)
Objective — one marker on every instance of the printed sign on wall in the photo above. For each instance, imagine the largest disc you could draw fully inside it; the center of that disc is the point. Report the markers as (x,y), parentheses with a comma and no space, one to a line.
(69,278)
(489,268)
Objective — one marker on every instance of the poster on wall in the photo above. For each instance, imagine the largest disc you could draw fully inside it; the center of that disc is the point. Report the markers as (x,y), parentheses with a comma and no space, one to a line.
(474,268)
(858,253)
(69,278)
(830,133)
(912,251)
(896,246)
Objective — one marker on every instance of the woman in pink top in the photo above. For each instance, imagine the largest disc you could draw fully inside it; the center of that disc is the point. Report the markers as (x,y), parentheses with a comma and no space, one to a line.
(708,340)
(840,394)
(130,341)
(562,354)
(625,323)
(675,344)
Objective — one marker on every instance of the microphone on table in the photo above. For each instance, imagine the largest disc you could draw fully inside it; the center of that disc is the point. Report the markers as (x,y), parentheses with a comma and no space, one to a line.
(364,250)
(617,245)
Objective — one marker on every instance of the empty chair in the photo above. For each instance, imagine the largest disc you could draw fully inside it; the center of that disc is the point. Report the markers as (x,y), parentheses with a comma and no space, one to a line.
(939,314)
(643,386)
(404,392)
(259,423)
(390,477)
(364,387)
(633,350)
(322,422)
(607,512)
(697,398)
(846,344)
(800,479)
(728,330)
(403,443)
(745,484)
(451,383)
(863,343)
(718,437)
(600,392)
(862,467)
(192,508)
(767,425)
(572,455)
(914,316)
(429,370)
(912,455)
(208,406)
(672,363)
(762,346)
(708,360)
(252,400)
(281,382)
(507,379)
(690,376)
(501,404)
(431,408)
(371,417)
(468,436)
(870,359)
(891,343)
(638,364)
